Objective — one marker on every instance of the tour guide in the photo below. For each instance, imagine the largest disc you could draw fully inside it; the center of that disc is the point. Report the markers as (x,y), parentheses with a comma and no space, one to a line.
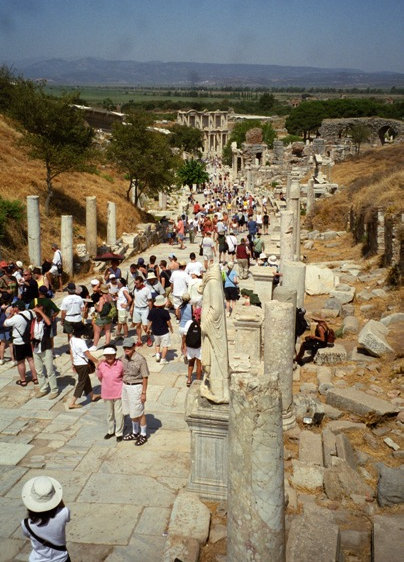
(135,376)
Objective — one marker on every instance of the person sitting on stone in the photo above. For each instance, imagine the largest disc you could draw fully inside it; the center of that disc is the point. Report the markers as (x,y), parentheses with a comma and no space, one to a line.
(313,343)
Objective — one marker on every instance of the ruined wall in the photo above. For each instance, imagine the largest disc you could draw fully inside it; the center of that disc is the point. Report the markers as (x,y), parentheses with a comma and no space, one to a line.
(332,130)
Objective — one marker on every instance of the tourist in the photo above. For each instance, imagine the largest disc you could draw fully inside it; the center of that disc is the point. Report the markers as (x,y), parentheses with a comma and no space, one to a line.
(71,310)
(29,288)
(130,277)
(231,242)
(173,265)
(19,319)
(113,286)
(165,275)
(142,303)
(105,311)
(193,290)
(193,344)
(258,245)
(110,373)
(156,288)
(8,283)
(252,228)
(41,337)
(194,266)
(265,222)
(180,229)
(123,303)
(113,269)
(313,343)
(179,281)
(83,364)
(135,378)
(56,269)
(208,249)
(142,267)
(45,524)
(185,314)
(159,324)
(243,258)
(231,290)
(153,266)
(5,333)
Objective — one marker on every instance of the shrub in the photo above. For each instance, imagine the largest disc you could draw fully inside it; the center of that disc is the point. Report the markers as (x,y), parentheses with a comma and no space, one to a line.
(10,210)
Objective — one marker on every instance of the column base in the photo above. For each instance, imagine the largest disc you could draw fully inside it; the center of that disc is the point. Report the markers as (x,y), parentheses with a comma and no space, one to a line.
(208,424)
(288,420)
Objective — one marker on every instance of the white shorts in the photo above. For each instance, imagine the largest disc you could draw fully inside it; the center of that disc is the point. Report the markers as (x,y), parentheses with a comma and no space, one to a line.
(131,403)
(162,341)
(193,353)
(54,270)
(177,301)
(140,315)
(122,316)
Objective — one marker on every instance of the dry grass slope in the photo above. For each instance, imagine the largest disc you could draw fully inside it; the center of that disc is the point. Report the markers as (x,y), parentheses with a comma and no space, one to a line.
(374,178)
(20,176)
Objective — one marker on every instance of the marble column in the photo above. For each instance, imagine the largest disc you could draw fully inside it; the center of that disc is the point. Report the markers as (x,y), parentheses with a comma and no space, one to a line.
(66,243)
(255,505)
(279,350)
(34,230)
(294,277)
(111,224)
(287,237)
(294,205)
(163,200)
(285,294)
(91,225)
(310,196)
(247,324)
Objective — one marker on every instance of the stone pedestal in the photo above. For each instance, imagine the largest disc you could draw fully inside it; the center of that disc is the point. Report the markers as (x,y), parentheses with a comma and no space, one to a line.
(279,349)
(287,237)
(208,424)
(66,243)
(34,230)
(247,325)
(91,225)
(310,196)
(111,224)
(294,276)
(263,278)
(255,506)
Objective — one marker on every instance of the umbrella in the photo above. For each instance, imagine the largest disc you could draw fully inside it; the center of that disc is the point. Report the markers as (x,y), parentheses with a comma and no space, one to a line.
(108,256)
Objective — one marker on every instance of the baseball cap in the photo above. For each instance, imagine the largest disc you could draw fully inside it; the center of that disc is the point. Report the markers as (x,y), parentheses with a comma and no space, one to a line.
(43,289)
(71,288)
(112,276)
(171,256)
(109,351)
(94,282)
(140,261)
(128,342)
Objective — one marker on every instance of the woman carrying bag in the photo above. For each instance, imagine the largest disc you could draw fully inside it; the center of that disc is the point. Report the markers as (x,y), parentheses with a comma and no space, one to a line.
(83,364)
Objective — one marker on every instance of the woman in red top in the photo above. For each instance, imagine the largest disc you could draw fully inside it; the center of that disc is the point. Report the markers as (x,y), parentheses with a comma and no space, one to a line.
(243,256)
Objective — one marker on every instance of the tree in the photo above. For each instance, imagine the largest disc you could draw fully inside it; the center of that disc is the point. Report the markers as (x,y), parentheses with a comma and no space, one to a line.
(53,132)
(266,102)
(306,118)
(186,138)
(108,104)
(359,134)
(192,172)
(143,155)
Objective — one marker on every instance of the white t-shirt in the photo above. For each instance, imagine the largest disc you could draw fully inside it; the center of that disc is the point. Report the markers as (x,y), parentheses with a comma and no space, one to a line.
(79,348)
(122,300)
(194,267)
(18,322)
(142,297)
(73,305)
(179,280)
(54,532)
(57,258)
(231,242)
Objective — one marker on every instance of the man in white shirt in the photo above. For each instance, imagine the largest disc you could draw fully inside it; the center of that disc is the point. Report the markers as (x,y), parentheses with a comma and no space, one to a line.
(194,266)
(57,266)
(141,305)
(71,310)
(179,281)
(17,319)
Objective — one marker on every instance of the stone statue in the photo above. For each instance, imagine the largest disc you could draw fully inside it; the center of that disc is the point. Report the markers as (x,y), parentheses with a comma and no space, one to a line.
(215,356)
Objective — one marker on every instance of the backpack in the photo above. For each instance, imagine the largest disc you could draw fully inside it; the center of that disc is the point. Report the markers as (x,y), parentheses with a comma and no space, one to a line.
(108,312)
(301,323)
(2,319)
(26,335)
(330,336)
(193,338)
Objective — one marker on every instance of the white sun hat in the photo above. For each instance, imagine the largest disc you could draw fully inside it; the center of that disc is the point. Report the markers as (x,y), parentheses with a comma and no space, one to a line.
(42,493)
(109,351)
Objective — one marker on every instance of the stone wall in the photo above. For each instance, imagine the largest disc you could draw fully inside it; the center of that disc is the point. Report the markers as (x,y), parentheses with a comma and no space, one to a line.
(334,129)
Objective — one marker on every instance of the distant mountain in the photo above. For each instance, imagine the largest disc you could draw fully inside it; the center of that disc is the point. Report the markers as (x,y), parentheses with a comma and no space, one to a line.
(131,73)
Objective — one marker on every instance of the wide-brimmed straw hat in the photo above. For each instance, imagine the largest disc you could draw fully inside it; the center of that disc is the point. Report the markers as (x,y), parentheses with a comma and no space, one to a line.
(42,493)
(151,275)
(160,300)
(104,288)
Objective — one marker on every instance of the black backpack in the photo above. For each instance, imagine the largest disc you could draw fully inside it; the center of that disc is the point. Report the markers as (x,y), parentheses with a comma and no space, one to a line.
(193,338)
(26,335)
(301,323)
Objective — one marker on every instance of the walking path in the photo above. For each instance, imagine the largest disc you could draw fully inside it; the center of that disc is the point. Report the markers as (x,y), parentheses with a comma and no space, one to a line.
(120,495)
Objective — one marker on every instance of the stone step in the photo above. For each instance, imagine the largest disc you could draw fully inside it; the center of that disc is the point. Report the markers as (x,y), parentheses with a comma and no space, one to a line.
(311,448)
(313,537)
(388,538)
(331,355)
(360,403)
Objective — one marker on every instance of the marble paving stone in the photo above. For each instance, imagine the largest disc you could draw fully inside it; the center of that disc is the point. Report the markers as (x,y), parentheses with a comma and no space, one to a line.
(12,453)
(9,549)
(37,404)
(153,521)
(167,440)
(104,523)
(122,488)
(167,397)
(11,513)
(72,482)
(81,552)
(15,427)
(166,420)
(128,460)
(174,483)
(9,475)
(153,392)
(93,459)
(141,548)
(174,368)
(4,422)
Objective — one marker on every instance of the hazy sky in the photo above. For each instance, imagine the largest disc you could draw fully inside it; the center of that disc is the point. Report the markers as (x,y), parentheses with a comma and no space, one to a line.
(364,34)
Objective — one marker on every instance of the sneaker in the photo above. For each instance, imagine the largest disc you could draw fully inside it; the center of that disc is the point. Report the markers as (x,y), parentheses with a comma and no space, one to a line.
(109,435)
(54,394)
(138,344)
(149,342)
(163,362)
(1,361)
(119,438)
(41,393)
(158,357)
(92,348)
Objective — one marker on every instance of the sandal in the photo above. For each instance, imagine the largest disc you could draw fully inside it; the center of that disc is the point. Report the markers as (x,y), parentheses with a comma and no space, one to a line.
(75,406)
(189,383)
(35,381)
(21,383)
(96,397)
(141,440)
(131,436)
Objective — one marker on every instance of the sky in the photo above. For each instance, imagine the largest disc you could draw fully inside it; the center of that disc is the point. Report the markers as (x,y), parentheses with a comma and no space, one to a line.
(361,34)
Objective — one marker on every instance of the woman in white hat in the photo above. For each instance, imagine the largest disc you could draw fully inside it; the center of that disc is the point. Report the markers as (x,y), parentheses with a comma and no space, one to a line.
(45,525)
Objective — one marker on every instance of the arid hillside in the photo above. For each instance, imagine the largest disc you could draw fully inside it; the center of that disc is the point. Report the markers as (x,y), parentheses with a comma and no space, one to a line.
(20,176)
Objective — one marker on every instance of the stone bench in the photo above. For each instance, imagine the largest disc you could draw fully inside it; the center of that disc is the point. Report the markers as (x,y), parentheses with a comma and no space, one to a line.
(331,355)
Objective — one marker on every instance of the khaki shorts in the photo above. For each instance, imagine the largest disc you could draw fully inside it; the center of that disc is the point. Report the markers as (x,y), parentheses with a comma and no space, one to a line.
(131,403)
(123,316)
(162,341)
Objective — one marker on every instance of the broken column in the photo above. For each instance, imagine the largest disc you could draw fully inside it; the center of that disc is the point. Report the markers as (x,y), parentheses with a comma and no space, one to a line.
(247,324)
(287,237)
(279,349)
(310,196)
(285,294)
(162,200)
(111,224)
(255,505)
(34,230)
(294,205)
(91,225)
(294,277)
(66,243)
